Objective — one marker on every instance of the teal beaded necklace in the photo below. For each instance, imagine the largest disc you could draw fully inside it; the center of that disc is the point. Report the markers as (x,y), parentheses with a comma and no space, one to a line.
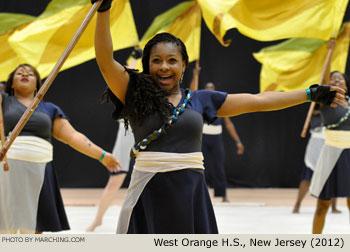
(142,145)
(343,119)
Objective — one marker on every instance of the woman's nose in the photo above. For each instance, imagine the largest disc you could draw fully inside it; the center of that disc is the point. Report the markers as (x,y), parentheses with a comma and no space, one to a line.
(164,66)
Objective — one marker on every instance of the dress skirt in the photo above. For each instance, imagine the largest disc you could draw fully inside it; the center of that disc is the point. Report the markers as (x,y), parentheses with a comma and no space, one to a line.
(306,173)
(175,202)
(19,194)
(213,152)
(51,215)
(337,184)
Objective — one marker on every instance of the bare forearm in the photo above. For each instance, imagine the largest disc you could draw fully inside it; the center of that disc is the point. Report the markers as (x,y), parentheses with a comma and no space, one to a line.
(236,104)
(103,40)
(194,83)
(231,130)
(82,144)
(233,133)
(280,100)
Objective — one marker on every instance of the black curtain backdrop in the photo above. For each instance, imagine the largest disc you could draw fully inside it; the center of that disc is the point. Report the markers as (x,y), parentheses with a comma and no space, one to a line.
(274,150)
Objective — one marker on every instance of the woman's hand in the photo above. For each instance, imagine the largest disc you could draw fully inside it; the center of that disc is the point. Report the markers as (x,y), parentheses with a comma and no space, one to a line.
(240,148)
(331,43)
(105,6)
(111,163)
(196,69)
(328,95)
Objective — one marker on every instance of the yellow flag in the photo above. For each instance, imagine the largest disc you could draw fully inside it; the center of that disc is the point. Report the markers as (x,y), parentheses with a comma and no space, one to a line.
(297,63)
(43,41)
(213,12)
(184,22)
(268,20)
(8,24)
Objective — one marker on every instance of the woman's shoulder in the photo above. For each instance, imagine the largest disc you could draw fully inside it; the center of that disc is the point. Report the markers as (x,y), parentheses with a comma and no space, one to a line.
(49,106)
(208,95)
(4,95)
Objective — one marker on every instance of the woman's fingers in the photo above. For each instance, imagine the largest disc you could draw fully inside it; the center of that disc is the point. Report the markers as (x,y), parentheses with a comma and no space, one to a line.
(337,89)
(339,96)
(111,163)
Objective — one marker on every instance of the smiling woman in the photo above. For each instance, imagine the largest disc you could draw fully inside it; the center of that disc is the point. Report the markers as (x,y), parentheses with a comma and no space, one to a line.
(167,191)
(30,199)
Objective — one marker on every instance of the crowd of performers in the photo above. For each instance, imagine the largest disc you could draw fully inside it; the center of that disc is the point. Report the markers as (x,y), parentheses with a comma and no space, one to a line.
(167,191)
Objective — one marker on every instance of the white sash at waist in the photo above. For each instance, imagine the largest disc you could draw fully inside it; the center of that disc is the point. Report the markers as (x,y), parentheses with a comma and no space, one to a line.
(313,148)
(147,165)
(30,148)
(212,129)
(338,138)
(150,161)
(336,142)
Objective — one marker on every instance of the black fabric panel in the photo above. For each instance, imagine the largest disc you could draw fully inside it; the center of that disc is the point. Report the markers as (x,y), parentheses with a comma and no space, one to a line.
(274,151)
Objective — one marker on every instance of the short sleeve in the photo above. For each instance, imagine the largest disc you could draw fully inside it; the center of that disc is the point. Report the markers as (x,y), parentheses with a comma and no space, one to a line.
(208,103)
(4,95)
(53,110)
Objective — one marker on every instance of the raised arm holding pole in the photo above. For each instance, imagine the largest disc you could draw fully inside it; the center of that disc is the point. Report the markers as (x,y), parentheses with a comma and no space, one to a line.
(42,91)
(2,134)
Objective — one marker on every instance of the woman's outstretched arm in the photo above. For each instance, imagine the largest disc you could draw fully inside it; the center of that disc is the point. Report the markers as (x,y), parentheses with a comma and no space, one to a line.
(236,104)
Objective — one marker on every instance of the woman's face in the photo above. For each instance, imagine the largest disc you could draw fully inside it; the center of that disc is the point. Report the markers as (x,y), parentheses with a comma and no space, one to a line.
(166,65)
(337,79)
(24,80)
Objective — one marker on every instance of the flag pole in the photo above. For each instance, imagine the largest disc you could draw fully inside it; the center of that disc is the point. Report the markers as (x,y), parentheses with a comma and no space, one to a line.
(2,135)
(313,104)
(42,91)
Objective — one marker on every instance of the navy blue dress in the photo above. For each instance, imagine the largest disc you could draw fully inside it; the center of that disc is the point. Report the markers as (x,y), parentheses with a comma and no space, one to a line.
(178,201)
(213,152)
(51,215)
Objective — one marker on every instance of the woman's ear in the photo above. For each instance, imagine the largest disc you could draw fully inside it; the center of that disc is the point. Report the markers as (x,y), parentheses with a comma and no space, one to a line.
(184,65)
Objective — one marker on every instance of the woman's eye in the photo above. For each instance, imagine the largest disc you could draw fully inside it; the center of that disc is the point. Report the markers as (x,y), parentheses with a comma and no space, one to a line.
(173,60)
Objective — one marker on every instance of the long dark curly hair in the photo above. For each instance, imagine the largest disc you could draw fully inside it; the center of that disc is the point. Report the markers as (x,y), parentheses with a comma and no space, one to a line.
(144,96)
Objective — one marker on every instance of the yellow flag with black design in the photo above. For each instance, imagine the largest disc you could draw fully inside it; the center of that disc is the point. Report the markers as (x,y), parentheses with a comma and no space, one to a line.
(296,63)
(213,12)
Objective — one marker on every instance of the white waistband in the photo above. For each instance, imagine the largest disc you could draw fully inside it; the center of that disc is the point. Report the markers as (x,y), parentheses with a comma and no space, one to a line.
(30,148)
(338,138)
(318,133)
(149,161)
(212,129)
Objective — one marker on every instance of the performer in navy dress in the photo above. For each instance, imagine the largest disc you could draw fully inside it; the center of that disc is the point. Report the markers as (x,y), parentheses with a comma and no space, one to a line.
(167,192)
(213,146)
(313,149)
(31,153)
(332,172)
